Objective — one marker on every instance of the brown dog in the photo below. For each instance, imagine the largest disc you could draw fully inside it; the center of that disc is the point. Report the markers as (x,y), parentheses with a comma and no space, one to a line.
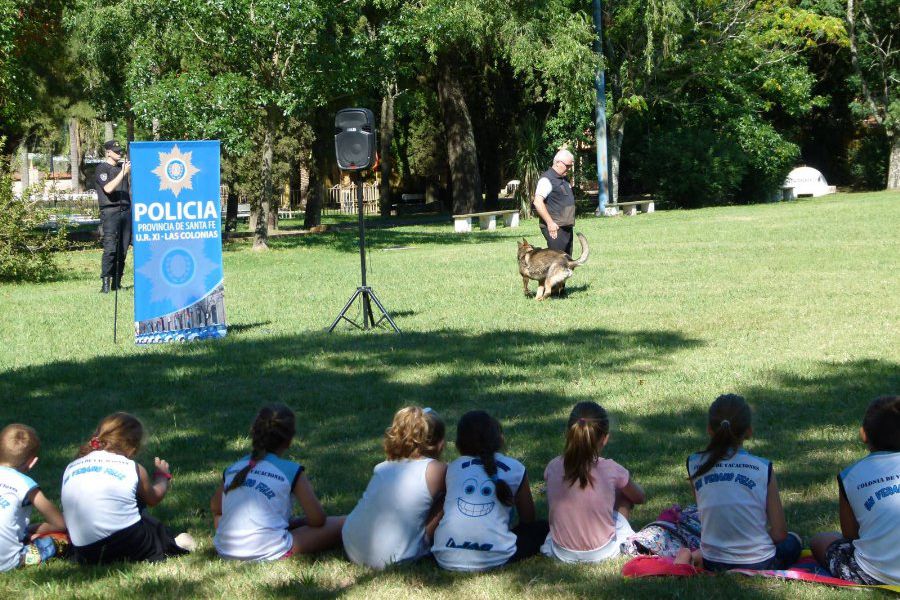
(549,267)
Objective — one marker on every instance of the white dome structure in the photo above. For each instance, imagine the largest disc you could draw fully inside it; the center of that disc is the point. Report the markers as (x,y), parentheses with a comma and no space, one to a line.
(807,181)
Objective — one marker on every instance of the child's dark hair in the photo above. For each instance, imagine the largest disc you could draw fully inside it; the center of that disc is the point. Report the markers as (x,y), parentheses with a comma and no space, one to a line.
(272,430)
(882,424)
(479,434)
(729,420)
(119,433)
(588,425)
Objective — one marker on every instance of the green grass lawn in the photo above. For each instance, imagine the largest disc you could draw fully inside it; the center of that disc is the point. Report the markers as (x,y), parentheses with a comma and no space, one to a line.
(793,305)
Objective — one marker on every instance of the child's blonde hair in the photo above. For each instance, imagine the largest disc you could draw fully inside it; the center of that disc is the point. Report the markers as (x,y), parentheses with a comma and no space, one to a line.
(119,433)
(18,444)
(414,432)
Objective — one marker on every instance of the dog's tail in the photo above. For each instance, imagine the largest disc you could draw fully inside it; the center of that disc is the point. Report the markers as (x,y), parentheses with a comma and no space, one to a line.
(584,253)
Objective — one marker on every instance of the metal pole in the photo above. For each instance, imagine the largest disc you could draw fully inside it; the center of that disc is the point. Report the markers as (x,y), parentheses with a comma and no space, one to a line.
(600,122)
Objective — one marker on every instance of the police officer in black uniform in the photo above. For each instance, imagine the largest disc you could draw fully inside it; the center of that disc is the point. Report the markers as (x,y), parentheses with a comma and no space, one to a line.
(114,194)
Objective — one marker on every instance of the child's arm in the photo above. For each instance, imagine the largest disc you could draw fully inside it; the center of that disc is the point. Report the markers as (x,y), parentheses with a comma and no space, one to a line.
(152,492)
(525,502)
(53,519)
(775,512)
(312,508)
(435,475)
(215,505)
(849,524)
(634,492)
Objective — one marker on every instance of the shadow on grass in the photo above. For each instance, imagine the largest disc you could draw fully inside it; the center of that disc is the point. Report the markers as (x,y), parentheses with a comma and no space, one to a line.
(198,400)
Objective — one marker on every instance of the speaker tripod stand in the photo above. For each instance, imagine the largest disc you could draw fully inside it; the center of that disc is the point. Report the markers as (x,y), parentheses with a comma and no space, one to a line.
(365,293)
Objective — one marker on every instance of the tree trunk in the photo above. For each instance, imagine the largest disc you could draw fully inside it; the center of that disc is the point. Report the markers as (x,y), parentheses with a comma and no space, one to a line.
(273,210)
(155,128)
(74,154)
(231,210)
(461,152)
(615,136)
(23,166)
(261,229)
(129,126)
(387,136)
(322,147)
(492,180)
(303,184)
(312,216)
(108,132)
(893,182)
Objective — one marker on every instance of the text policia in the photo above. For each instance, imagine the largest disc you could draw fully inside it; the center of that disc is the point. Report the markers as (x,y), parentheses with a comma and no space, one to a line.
(193,220)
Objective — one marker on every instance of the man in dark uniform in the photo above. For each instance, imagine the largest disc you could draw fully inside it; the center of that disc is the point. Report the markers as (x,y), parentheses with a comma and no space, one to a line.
(113,192)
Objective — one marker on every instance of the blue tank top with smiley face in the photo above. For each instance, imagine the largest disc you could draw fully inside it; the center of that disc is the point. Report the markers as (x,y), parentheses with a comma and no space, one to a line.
(474,534)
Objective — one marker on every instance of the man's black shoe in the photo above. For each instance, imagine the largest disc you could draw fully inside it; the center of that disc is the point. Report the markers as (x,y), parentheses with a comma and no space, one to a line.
(104,286)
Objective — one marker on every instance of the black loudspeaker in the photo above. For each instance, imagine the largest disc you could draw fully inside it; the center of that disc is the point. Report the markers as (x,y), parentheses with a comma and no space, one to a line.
(354,139)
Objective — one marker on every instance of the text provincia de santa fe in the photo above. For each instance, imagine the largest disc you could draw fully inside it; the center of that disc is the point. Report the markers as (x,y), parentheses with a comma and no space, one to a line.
(191,220)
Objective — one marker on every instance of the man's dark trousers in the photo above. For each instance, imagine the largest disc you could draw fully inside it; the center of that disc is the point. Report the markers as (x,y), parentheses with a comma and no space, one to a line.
(116,223)
(563,241)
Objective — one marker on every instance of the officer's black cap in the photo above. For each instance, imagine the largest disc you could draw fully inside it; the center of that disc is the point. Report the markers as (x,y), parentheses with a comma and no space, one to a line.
(114,146)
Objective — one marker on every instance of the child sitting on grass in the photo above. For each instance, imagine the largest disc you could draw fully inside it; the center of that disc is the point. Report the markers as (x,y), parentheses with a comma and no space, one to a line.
(252,507)
(395,519)
(590,497)
(867,549)
(737,496)
(21,543)
(483,487)
(104,492)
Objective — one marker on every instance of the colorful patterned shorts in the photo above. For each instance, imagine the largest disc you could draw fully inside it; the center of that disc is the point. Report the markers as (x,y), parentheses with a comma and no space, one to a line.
(841,558)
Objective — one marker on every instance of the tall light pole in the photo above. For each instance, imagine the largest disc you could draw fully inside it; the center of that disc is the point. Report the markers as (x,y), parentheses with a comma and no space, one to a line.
(600,118)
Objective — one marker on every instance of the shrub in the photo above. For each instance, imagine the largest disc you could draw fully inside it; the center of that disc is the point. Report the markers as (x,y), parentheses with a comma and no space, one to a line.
(26,249)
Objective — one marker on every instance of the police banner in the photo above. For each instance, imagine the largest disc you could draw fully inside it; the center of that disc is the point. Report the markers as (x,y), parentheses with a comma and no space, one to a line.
(177,227)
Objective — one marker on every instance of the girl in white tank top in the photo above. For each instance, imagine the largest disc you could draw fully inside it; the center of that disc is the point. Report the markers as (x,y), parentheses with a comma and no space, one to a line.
(395,518)
(102,493)
(252,507)
(741,516)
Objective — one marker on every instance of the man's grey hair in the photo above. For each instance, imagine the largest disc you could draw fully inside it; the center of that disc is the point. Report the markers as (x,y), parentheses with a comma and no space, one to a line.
(563,156)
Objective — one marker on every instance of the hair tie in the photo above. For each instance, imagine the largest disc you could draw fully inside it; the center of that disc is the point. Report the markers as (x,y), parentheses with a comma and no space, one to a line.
(494,478)
(252,463)
(427,410)
(95,443)
(725,424)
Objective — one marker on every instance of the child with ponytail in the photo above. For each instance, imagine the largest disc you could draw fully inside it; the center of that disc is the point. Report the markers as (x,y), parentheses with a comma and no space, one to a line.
(394,520)
(590,497)
(103,495)
(483,487)
(252,507)
(742,520)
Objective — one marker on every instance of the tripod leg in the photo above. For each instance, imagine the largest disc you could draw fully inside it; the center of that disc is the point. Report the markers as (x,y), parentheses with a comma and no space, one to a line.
(368,317)
(383,311)
(344,311)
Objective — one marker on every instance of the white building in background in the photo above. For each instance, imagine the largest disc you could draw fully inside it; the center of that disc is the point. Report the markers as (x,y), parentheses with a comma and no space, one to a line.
(807,181)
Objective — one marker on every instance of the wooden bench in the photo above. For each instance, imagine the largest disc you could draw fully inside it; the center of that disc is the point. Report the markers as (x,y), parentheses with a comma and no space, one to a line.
(486,220)
(631,208)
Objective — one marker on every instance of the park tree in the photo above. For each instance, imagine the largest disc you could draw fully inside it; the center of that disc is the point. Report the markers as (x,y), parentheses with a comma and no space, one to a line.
(873,27)
(717,80)
(454,42)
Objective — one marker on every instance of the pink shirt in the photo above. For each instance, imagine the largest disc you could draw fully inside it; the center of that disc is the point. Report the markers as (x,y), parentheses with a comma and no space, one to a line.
(582,518)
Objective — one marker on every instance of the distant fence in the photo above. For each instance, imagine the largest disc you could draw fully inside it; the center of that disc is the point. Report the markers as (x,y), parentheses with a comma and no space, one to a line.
(69,204)
(336,200)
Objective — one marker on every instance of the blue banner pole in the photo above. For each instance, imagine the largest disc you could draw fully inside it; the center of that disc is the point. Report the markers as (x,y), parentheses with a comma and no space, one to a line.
(600,121)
